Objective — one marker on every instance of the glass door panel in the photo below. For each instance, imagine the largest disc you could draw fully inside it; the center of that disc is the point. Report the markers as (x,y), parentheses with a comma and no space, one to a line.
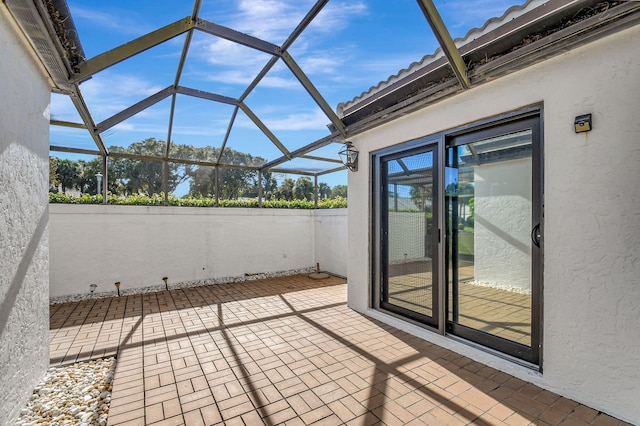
(409,237)
(491,212)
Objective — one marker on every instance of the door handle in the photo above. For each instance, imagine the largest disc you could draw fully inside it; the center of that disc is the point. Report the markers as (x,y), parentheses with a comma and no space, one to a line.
(535,235)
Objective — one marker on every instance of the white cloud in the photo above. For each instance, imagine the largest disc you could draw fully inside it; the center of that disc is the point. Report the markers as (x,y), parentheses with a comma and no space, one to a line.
(223,52)
(120,23)
(279,82)
(239,65)
(271,20)
(150,129)
(461,15)
(109,93)
(313,120)
(200,130)
(239,77)
(335,16)
(63,109)
(322,63)
(243,77)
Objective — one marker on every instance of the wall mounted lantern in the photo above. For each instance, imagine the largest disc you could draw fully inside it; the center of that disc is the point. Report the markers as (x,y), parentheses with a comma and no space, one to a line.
(349,156)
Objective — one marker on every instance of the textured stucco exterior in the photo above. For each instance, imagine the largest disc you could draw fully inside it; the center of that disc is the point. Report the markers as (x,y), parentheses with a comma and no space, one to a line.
(137,245)
(406,242)
(330,243)
(502,227)
(24,172)
(591,315)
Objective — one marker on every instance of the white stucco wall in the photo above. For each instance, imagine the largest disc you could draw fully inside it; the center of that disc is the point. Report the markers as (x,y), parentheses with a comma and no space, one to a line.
(331,240)
(406,242)
(591,326)
(24,275)
(502,248)
(138,245)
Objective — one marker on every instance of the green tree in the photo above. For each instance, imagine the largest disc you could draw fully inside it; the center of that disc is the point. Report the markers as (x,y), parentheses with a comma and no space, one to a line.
(465,192)
(87,181)
(138,176)
(324,191)
(303,188)
(233,183)
(68,172)
(269,186)
(203,182)
(339,191)
(54,178)
(422,197)
(285,190)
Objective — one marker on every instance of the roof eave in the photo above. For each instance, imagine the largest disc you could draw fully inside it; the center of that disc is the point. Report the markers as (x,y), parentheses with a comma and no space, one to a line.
(435,82)
(53,36)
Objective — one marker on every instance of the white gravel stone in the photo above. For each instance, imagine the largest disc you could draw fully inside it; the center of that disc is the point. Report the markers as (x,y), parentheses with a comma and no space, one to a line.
(70,395)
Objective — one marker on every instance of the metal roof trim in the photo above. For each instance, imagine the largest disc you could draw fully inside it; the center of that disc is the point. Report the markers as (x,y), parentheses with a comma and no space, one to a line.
(399,102)
(52,34)
(474,39)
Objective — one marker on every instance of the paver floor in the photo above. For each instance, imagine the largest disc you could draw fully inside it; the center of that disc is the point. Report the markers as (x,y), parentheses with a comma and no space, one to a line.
(287,351)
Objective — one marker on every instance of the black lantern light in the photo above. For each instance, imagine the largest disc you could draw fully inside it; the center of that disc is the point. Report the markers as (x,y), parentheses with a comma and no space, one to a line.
(349,156)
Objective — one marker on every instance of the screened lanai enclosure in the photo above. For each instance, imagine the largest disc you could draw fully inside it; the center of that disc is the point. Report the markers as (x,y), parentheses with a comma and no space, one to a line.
(187,98)
(184,98)
(201,91)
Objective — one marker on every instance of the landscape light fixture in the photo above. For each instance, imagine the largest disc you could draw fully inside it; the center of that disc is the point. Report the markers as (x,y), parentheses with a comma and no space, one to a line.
(99,186)
(165,279)
(92,288)
(118,287)
(349,156)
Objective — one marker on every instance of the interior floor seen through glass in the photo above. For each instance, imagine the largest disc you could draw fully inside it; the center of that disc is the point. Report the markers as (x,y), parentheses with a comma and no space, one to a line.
(489,213)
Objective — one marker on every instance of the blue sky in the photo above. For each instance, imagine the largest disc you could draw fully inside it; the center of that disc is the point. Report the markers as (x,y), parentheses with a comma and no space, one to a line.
(350,47)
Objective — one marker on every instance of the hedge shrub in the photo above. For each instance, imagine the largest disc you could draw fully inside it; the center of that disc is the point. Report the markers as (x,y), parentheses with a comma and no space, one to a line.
(158,200)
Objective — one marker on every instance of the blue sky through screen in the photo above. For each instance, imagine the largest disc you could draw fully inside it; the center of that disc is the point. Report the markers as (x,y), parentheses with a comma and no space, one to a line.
(350,47)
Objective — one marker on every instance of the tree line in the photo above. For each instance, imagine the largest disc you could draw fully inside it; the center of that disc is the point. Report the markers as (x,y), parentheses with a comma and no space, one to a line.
(131,176)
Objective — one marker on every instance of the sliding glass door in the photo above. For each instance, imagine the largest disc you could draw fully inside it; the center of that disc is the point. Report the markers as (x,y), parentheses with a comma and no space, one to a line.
(458,229)
(409,242)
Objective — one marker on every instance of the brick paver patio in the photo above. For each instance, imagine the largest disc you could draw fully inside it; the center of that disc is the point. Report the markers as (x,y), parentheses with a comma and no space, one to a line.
(286,351)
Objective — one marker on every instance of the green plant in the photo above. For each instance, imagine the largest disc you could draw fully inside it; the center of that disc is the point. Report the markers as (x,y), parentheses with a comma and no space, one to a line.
(189,201)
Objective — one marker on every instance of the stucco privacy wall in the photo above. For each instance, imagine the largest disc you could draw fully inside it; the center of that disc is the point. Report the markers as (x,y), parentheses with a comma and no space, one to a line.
(591,343)
(331,240)
(406,243)
(138,245)
(24,275)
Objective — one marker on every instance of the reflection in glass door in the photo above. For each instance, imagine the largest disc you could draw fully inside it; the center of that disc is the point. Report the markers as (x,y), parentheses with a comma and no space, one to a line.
(492,219)
(409,238)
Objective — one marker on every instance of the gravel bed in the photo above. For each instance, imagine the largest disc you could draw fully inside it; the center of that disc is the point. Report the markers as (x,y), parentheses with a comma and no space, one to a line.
(77,394)
(499,286)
